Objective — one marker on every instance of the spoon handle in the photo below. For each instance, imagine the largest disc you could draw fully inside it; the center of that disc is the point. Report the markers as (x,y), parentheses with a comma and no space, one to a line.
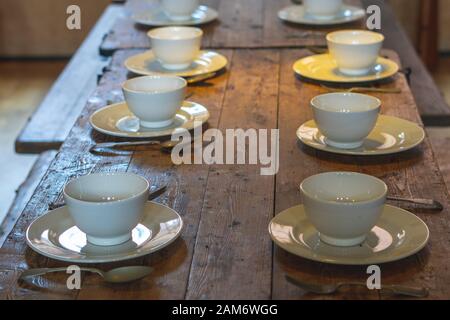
(432,204)
(380,90)
(122,144)
(155,194)
(393,288)
(364,89)
(40,271)
(407,291)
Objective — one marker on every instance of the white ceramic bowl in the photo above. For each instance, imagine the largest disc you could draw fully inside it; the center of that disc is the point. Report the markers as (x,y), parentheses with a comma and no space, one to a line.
(176,47)
(322,9)
(179,10)
(343,206)
(107,206)
(155,100)
(344,118)
(355,51)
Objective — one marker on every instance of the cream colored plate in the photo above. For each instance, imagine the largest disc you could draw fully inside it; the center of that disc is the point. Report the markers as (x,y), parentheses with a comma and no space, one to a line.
(390,135)
(398,234)
(118,121)
(322,67)
(146,64)
(157,18)
(296,14)
(55,235)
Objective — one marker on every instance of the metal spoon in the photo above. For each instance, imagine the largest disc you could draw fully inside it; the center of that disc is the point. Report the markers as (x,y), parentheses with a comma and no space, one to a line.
(364,89)
(332,288)
(429,203)
(118,275)
(317,49)
(200,78)
(165,145)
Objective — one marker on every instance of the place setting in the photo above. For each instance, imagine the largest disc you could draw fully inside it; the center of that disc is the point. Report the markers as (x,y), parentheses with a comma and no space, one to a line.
(156,103)
(154,106)
(92,228)
(353,58)
(344,220)
(321,13)
(350,124)
(175,13)
(176,51)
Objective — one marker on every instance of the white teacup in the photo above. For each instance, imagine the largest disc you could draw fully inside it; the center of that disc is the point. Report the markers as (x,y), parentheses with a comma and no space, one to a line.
(179,10)
(107,206)
(155,100)
(344,118)
(355,51)
(176,47)
(322,9)
(343,206)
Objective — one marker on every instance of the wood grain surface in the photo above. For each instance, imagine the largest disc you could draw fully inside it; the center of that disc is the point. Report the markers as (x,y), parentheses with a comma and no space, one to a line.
(241,24)
(225,251)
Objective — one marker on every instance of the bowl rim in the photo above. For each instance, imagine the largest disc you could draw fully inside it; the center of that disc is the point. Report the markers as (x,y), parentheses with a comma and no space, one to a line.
(152,34)
(125,84)
(378,198)
(314,101)
(330,35)
(139,194)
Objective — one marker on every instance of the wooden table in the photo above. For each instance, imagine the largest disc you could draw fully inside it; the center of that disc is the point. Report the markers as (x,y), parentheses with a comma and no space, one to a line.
(241,27)
(225,251)
(242,24)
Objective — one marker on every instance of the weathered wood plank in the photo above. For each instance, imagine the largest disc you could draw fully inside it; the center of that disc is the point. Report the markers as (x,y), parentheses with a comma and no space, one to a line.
(413,173)
(25,191)
(50,124)
(440,140)
(232,258)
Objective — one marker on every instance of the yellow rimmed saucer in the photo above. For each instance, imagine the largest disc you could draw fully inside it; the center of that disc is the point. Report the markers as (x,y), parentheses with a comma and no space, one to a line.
(390,135)
(397,235)
(322,67)
(146,64)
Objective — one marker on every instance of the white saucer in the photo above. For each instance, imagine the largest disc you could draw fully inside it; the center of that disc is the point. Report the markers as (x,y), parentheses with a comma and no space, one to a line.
(397,235)
(55,235)
(118,121)
(157,18)
(390,135)
(297,14)
(146,64)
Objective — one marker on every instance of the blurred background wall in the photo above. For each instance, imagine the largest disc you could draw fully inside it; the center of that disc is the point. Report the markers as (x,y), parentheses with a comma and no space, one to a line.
(408,12)
(38,27)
